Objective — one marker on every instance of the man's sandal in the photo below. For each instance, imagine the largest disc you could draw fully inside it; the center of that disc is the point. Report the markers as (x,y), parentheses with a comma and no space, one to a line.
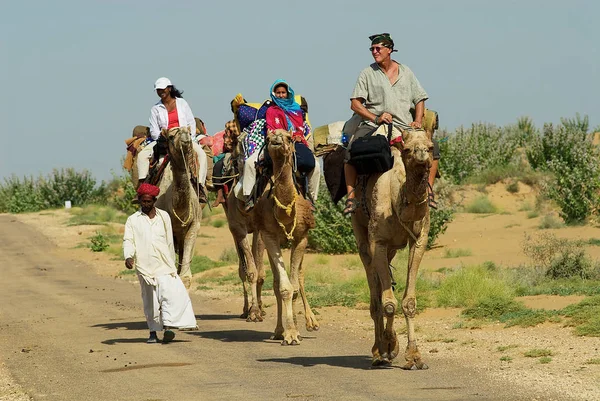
(351,205)
(431,200)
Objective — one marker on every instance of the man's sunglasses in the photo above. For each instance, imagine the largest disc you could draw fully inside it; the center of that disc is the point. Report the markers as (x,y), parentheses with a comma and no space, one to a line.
(376,49)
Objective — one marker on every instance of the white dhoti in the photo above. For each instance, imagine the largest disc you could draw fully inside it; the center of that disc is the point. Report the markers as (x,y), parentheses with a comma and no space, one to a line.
(167,303)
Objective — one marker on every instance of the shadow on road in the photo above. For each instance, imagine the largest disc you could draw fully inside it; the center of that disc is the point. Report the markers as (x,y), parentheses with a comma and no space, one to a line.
(233,336)
(114,341)
(352,361)
(218,317)
(142,325)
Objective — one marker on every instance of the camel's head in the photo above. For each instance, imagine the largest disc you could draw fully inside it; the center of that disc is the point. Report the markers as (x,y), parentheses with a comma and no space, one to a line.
(279,143)
(417,148)
(179,140)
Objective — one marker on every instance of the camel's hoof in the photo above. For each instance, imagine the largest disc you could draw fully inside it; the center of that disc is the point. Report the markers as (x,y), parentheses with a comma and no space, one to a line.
(379,363)
(292,342)
(263,313)
(244,315)
(254,316)
(415,366)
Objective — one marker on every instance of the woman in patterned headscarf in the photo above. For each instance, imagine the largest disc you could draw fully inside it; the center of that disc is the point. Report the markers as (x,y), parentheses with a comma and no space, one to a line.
(286,113)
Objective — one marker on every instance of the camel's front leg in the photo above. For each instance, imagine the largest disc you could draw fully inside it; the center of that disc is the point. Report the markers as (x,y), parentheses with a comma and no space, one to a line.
(283,286)
(409,304)
(242,275)
(249,278)
(376,308)
(388,342)
(297,277)
(189,242)
(258,250)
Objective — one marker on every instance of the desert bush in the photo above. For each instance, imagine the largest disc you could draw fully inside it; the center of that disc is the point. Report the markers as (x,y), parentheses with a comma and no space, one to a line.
(468,286)
(570,262)
(440,218)
(550,221)
(513,187)
(481,205)
(31,195)
(99,242)
(333,232)
(467,152)
(567,152)
(557,258)
(229,255)
(68,184)
(492,307)
(122,193)
(20,196)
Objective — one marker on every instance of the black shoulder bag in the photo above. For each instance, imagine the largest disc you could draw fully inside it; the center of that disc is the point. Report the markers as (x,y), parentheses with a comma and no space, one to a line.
(372,153)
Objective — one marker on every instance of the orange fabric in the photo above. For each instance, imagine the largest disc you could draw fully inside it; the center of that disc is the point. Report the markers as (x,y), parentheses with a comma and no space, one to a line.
(133,146)
(173,119)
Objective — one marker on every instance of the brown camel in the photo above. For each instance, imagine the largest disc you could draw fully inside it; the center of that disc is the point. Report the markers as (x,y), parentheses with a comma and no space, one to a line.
(280,214)
(394,214)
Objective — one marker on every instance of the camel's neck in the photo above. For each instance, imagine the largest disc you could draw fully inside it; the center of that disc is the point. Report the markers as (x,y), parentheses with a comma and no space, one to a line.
(181,184)
(416,185)
(284,188)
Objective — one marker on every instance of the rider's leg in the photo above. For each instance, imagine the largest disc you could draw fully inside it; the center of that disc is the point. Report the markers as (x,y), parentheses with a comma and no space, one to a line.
(202,163)
(249,176)
(143,161)
(314,179)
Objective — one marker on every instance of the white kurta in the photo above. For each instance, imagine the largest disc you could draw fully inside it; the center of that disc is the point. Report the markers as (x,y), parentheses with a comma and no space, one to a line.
(150,242)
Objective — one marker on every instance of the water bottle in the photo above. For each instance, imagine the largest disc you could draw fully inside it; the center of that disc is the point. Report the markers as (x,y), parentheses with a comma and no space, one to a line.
(345,139)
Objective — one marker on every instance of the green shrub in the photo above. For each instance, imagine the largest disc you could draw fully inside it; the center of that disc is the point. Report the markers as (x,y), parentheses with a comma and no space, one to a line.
(31,195)
(122,193)
(538,352)
(585,316)
(218,223)
(99,242)
(440,218)
(493,308)
(481,205)
(67,184)
(457,253)
(471,285)
(513,187)
(333,232)
(571,262)
(550,221)
(20,196)
(567,152)
(203,263)
(558,258)
(95,214)
(467,152)
(229,255)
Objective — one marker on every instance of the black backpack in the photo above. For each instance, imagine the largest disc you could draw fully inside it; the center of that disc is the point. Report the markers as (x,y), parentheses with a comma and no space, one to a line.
(372,153)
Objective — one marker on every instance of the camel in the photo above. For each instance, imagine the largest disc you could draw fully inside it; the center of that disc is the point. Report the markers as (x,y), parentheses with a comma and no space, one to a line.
(394,214)
(178,197)
(279,215)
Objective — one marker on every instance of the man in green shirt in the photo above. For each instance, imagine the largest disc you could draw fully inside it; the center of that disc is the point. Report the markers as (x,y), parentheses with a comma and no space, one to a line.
(385,93)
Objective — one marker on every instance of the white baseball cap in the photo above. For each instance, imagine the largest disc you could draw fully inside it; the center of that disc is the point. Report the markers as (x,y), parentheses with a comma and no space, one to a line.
(162,83)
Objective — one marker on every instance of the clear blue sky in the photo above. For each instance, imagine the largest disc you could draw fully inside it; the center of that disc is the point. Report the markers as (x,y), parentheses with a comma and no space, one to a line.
(78,75)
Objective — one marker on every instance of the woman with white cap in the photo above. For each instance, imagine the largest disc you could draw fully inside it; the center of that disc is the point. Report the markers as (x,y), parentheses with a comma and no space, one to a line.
(169,112)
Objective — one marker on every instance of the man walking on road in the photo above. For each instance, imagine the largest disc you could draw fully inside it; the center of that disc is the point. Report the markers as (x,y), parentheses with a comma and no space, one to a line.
(148,246)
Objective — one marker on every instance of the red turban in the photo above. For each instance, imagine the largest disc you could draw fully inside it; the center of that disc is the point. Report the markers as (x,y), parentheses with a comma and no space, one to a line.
(148,189)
